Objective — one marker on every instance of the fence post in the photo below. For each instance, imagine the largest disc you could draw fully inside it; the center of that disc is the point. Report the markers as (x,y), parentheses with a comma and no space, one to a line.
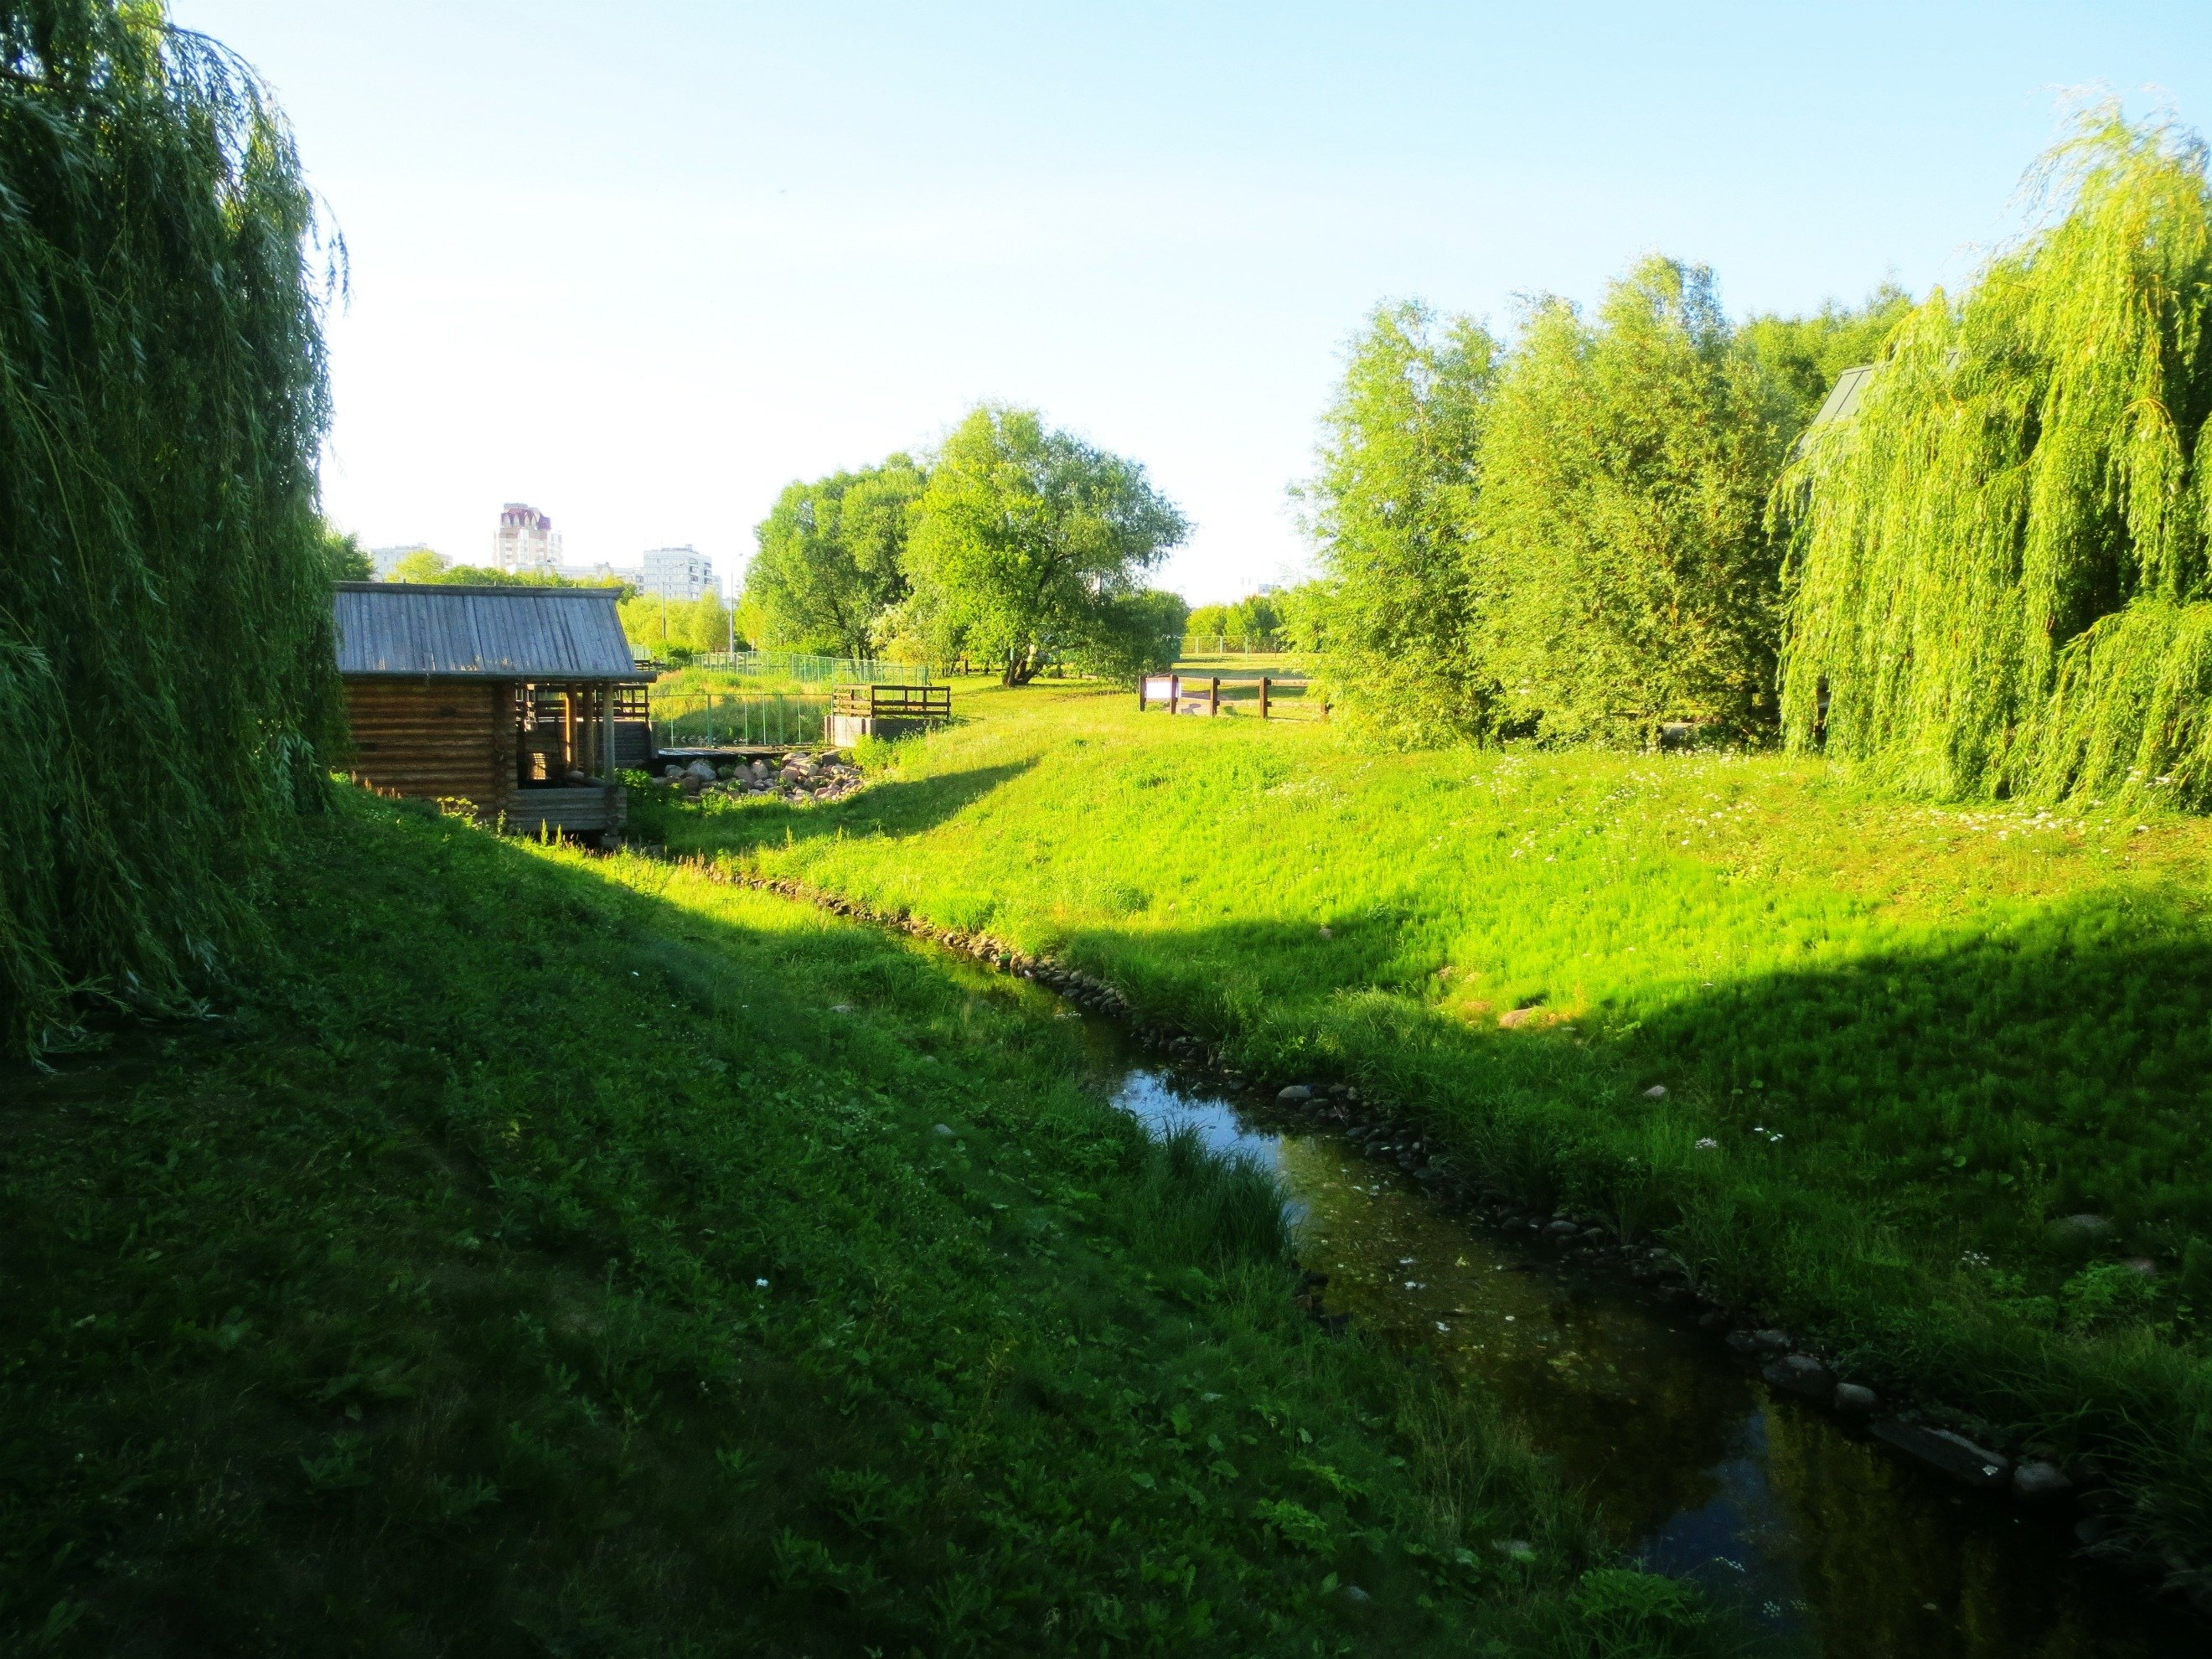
(1141,682)
(1264,685)
(1214,697)
(1174,694)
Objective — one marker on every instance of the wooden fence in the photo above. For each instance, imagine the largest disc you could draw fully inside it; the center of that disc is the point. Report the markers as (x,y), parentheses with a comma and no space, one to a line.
(912,702)
(1271,697)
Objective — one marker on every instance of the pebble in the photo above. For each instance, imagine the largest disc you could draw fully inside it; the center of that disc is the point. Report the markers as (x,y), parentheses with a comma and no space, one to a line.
(2037,1478)
(1951,1453)
(1296,1095)
(1656,1091)
(1855,1397)
(942,1129)
(1801,1374)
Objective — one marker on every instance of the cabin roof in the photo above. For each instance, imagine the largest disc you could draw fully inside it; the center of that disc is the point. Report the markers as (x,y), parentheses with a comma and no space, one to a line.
(429,630)
(1843,399)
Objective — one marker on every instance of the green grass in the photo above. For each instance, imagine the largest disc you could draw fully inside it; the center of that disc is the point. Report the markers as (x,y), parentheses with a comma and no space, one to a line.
(563,1256)
(1913,1035)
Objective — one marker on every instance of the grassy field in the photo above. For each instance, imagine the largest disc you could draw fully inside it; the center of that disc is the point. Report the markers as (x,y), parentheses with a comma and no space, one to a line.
(1895,1039)
(585,1257)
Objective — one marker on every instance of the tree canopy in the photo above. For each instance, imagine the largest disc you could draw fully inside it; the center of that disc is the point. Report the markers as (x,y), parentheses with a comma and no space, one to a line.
(1999,580)
(1032,543)
(1624,575)
(832,558)
(168,688)
(1391,507)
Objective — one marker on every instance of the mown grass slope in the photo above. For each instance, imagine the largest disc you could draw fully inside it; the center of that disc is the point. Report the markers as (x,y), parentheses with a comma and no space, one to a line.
(580,1256)
(1896,1040)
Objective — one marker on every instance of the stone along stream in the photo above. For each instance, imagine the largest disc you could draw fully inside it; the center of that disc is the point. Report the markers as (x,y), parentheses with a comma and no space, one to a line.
(1828,1541)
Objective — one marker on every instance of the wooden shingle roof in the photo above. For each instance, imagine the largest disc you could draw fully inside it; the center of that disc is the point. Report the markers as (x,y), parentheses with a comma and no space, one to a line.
(427,631)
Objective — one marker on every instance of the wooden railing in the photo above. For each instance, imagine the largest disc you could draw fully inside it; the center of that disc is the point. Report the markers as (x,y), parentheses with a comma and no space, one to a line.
(1264,695)
(927,702)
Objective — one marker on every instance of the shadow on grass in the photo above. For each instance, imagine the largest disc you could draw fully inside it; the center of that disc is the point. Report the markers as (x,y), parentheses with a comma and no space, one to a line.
(902,807)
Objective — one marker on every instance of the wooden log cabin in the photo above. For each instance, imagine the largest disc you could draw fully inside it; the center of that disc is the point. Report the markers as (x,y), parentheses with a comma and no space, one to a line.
(514,699)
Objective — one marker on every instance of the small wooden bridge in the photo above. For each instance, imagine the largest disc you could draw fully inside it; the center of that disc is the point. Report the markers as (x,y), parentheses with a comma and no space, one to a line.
(1230,694)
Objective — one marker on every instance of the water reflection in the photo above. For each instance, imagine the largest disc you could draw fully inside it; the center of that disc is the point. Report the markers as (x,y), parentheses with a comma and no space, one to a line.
(1832,1545)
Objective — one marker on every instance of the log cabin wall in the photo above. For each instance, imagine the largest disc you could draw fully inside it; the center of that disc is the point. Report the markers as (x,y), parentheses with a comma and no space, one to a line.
(435,740)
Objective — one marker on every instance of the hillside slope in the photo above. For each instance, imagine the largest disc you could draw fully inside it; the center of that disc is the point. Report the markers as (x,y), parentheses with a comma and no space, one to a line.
(1891,1043)
(575,1255)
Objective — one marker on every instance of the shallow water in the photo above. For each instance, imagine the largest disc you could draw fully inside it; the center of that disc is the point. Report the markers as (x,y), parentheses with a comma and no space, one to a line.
(1829,1542)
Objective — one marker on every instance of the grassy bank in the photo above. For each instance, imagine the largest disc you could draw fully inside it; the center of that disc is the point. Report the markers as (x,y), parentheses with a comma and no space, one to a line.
(584,1257)
(1895,1040)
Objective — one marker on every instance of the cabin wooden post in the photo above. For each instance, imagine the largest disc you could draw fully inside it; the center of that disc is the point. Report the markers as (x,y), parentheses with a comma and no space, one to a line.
(1174,694)
(1214,697)
(1265,684)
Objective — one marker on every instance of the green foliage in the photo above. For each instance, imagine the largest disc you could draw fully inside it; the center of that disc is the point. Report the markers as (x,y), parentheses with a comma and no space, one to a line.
(832,558)
(676,629)
(1391,507)
(1029,538)
(343,556)
(424,565)
(166,676)
(1999,575)
(1255,622)
(1134,635)
(1624,573)
(679,1327)
(1908,1033)
(1800,357)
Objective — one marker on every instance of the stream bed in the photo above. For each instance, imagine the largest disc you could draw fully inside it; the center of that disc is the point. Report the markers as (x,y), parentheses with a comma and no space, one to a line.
(1826,1540)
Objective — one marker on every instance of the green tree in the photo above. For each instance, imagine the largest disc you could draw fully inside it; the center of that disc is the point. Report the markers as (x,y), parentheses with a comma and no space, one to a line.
(1209,621)
(169,694)
(1624,573)
(1800,357)
(1132,636)
(682,628)
(2002,582)
(421,566)
(832,558)
(1028,540)
(1390,510)
(347,559)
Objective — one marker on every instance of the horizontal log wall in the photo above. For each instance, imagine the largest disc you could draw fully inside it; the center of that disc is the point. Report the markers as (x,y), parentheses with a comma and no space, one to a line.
(435,740)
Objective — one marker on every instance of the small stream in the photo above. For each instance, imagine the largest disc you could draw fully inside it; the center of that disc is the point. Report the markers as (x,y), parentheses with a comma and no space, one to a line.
(1828,1541)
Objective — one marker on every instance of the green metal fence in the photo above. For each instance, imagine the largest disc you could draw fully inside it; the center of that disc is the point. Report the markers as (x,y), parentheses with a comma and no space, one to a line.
(737,722)
(815,670)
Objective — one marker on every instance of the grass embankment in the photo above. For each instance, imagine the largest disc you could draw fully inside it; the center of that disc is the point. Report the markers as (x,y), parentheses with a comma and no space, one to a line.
(1896,1040)
(565,1256)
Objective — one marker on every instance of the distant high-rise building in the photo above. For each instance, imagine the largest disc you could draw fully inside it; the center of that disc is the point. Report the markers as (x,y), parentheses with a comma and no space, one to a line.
(385,558)
(678,573)
(525,539)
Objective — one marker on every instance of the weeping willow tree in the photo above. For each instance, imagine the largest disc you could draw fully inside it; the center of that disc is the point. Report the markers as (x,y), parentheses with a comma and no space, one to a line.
(1998,581)
(166,671)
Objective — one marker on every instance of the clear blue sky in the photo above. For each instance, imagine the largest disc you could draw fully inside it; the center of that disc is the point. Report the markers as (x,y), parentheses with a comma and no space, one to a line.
(642,265)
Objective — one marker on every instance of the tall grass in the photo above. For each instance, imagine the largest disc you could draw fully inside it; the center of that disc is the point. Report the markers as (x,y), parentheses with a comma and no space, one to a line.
(1896,1040)
(165,631)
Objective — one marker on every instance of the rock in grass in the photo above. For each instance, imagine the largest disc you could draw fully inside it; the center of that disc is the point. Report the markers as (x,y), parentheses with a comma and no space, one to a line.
(942,1129)
(2080,1232)
(1563,1229)
(1947,1453)
(2037,1478)
(1296,1095)
(1656,1091)
(1855,1398)
(1800,1374)
(1770,1342)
